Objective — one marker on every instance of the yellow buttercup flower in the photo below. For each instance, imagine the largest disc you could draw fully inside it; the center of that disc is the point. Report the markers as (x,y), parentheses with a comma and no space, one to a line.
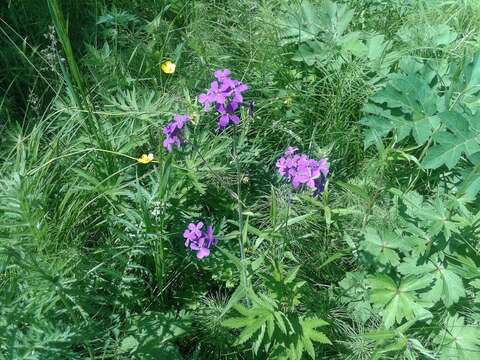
(145,159)
(168,67)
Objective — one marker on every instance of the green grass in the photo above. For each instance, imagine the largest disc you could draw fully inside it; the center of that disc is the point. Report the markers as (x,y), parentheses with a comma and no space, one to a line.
(92,259)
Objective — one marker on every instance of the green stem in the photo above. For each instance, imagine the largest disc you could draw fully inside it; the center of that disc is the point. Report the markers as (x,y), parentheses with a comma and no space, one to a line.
(289,202)
(239,207)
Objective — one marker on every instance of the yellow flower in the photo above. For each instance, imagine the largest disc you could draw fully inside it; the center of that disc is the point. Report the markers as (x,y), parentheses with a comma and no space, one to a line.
(145,159)
(168,67)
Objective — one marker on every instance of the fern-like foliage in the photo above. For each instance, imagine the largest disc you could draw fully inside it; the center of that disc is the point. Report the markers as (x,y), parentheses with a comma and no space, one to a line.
(284,335)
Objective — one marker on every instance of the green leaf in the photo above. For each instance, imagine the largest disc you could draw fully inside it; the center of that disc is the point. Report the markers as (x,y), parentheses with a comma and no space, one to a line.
(458,341)
(400,302)
(435,216)
(468,82)
(383,245)
(336,17)
(237,295)
(414,98)
(129,344)
(311,52)
(320,32)
(151,334)
(460,139)
(294,220)
(357,190)
(309,334)
(254,320)
(448,286)
(424,34)
(299,24)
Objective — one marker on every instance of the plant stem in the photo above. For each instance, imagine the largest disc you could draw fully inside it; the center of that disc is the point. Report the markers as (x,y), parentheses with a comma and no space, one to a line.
(239,207)
(289,202)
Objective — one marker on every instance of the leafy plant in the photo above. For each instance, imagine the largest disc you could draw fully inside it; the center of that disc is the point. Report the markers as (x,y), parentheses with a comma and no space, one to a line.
(322,37)
(285,335)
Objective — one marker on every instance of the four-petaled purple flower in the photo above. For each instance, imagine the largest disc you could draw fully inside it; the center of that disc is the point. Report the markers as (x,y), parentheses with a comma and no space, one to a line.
(198,240)
(299,169)
(173,131)
(226,94)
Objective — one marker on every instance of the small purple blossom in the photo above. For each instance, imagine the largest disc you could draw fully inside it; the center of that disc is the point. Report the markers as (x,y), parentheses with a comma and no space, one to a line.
(226,95)
(301,170)
(173,131)
(198,240)
(222,74)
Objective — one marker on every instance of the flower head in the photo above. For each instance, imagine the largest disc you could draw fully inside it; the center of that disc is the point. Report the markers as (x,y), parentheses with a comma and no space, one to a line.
(222,74)
(145,159)
(168,67)
(225,94)
(301,170)
(198,240)
(173,131)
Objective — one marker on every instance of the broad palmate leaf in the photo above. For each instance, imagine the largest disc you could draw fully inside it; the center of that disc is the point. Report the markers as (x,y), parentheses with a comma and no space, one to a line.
(458,341)
(399,302)
(448,286)
(383,245)
(407,105)
(460,138)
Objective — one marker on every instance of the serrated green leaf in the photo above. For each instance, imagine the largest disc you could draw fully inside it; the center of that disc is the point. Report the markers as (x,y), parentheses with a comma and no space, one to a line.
(458,341)
(398,302)
(459,139)
(448,286)
(258,341)
(248,332)
(313,323)
(320,337)
(308,345)
(383,245)
(413,96)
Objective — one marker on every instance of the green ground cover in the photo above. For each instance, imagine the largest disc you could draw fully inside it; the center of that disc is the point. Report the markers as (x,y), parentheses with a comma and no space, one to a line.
(362,244)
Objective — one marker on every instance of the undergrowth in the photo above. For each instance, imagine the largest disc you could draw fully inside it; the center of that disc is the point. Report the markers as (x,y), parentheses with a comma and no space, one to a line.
(371,255)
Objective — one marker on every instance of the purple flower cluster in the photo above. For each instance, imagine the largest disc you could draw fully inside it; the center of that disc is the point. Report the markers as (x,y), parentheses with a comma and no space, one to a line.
(226,94)
(299,169)
(173,131)
(198,240)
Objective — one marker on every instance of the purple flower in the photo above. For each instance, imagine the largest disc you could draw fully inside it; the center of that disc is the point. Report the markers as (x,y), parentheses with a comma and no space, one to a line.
(170,141)
(301,170)
(198,240)
(226,95)
(290,151)
(222,74)
(173,131)
(306,174)
(180,120)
